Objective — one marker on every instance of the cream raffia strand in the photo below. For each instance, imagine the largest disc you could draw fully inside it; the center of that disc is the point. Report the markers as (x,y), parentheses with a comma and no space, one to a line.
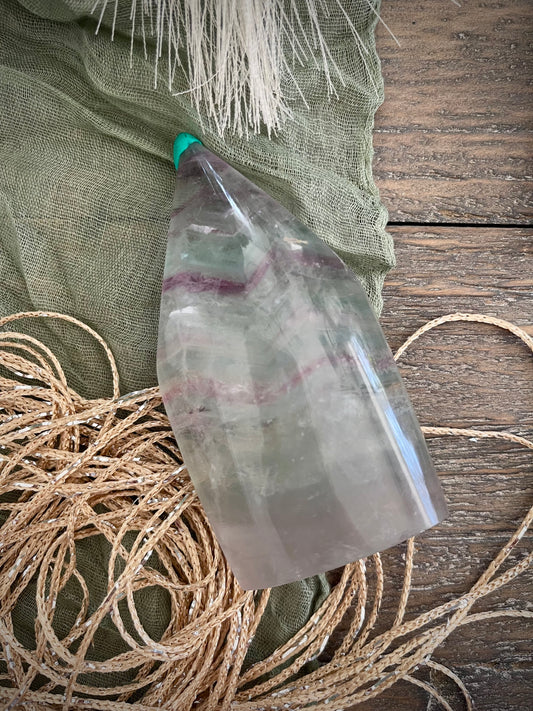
(88,467)
(239,56)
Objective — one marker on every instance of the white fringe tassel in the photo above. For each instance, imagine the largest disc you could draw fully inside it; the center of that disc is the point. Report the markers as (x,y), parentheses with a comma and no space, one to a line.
(233,52)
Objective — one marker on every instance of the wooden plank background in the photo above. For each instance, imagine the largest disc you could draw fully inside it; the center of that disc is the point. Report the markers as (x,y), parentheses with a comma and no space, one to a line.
(453,139)
(453,148)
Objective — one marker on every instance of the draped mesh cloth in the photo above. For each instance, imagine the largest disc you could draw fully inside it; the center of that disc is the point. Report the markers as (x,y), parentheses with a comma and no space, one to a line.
(86,182)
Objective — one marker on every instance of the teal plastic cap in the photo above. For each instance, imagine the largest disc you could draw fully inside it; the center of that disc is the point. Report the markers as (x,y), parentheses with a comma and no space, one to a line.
(182,142)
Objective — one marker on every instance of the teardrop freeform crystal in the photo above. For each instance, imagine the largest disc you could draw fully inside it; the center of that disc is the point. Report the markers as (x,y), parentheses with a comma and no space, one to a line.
(281,390)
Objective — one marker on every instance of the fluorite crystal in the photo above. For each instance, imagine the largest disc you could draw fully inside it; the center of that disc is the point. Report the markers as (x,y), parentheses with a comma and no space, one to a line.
(282,393)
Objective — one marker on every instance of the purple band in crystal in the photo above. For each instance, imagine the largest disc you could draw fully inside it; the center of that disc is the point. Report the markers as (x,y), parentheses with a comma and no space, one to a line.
(211,388)
(195,282)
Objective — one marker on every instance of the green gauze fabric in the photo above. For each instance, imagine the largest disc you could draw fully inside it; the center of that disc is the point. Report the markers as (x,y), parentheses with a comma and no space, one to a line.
(86,180)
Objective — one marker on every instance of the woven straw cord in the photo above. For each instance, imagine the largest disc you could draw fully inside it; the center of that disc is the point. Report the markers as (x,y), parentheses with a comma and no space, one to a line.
(72,468)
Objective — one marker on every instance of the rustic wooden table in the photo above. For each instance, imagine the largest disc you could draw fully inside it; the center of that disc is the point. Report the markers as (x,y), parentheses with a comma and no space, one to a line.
(453,165)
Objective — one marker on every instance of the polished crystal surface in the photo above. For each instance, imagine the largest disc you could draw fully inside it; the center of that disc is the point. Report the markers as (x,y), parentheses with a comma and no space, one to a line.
(281,390)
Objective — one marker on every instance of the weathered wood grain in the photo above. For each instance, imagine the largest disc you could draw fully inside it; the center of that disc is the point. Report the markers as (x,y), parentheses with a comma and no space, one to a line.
(453,140)
(467,375)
